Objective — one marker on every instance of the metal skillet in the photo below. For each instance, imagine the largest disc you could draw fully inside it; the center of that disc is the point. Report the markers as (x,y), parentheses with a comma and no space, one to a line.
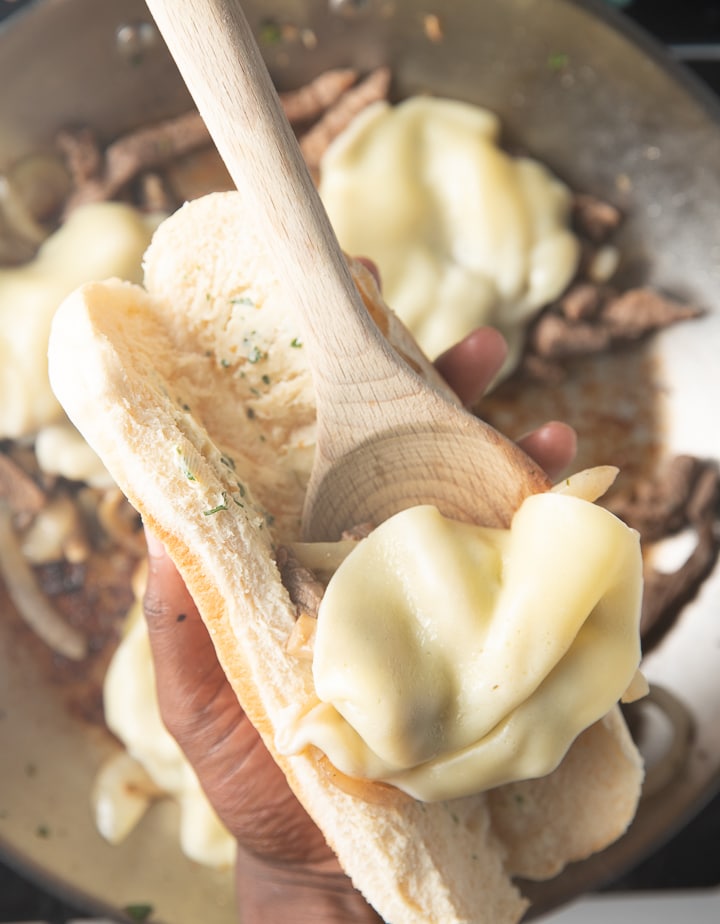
(618,119)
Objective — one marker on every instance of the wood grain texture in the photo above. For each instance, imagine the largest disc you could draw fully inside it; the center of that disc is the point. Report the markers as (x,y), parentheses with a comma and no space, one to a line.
(386,438)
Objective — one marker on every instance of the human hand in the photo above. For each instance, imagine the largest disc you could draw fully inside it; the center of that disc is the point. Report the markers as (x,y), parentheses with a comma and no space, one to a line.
(285,870)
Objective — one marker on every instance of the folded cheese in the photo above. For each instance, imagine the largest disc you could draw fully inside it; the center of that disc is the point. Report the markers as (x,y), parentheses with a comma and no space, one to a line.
(463,233)
(451,658)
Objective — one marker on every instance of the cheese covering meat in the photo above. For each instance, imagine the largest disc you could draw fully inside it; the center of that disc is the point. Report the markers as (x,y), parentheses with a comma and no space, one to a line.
(99,240)
(463,233)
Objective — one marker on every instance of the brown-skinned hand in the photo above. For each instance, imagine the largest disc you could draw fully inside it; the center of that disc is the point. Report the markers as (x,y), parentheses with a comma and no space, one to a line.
(285,870)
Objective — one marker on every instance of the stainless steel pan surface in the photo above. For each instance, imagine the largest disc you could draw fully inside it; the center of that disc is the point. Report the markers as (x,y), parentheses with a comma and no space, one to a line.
(619,120)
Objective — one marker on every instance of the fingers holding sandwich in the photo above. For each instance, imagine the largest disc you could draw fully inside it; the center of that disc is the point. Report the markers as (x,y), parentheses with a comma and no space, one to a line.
(470,366)
(552,446)
(246,787)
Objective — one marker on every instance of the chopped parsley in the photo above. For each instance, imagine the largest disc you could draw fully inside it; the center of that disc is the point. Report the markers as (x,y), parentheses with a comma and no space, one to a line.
(221,506)
(558,61)
(256,354)
(270,31)
(185,468)
(139,912)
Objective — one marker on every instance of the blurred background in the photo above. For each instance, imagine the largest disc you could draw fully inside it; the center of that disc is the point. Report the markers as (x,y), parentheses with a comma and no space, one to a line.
(691,31)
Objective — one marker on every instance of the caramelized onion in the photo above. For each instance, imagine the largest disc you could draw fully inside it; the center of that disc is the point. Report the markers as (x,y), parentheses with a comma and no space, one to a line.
(33,606)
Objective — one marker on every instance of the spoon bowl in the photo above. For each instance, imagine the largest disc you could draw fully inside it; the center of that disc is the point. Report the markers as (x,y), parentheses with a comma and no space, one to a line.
(387,439)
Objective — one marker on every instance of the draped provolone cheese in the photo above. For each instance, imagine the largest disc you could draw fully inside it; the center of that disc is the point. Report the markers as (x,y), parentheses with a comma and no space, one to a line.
(463,233)
(97,241)
(451,658)
(133,714)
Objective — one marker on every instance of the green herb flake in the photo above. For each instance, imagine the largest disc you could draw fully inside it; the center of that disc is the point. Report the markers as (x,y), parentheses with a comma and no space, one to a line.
(266,379)
(558,61)
(243,300)
(270,32)
(222,506)
(185,468)
(42,831)
(256,354)
(225,363)
(139,912)
(296,343)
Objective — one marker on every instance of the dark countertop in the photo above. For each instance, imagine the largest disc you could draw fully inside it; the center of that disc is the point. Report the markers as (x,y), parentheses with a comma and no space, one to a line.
(692,858)
(23,900)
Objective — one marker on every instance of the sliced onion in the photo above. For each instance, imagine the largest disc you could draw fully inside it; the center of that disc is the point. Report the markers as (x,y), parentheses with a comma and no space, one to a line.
(121,795)
(32,605)
(588,484)
(322,557)
(114,514)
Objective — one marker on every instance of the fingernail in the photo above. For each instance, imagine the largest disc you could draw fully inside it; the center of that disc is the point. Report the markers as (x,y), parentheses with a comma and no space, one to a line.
(154,546)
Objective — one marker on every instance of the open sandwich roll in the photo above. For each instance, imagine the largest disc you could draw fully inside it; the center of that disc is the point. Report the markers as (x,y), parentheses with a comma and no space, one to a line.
(196,394)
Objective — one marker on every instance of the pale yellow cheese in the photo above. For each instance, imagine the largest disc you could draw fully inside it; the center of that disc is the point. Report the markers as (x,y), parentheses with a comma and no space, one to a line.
(133,715)
(463,233)
(61,450)
(97,241)
(451,658)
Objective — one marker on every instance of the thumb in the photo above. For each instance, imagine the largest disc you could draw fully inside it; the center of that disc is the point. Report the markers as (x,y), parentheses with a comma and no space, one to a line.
(187,672)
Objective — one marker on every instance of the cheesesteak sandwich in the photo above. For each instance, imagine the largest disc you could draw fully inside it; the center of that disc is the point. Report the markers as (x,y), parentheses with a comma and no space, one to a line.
(448,715)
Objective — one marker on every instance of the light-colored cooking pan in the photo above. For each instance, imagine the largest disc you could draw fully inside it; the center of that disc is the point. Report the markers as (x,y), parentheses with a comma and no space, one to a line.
(617,119)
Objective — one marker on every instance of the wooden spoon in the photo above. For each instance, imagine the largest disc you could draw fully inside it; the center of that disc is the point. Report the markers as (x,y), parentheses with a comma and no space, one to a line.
(386,439)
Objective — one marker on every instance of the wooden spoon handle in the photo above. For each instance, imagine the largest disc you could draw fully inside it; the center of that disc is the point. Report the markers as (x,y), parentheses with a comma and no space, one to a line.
(218,57)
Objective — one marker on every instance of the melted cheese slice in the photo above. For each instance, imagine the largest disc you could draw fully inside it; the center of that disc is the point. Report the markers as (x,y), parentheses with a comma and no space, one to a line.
(451,658)
(463,233)
(97,241)
(132,713)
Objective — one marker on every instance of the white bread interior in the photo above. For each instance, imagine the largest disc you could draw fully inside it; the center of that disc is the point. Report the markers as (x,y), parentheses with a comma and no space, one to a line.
(196,394)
